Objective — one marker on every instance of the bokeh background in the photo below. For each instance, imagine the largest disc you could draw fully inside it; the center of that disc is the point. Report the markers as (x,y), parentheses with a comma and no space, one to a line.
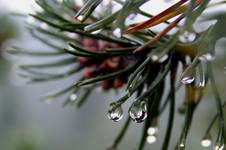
(26,123)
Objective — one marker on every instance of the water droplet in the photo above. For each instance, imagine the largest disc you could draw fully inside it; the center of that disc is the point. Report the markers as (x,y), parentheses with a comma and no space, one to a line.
(206,142)
(138,111)
(73,97)
(187,79)
(117,32)
(151,139)
(181,146)
(206,57)
(187,37)
(115,113)
(219,147)
(152,130)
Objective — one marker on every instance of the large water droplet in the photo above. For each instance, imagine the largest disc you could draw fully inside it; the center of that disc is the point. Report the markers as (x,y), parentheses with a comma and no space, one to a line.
(152,130)
(138,111)
(206,142)
(115,113)
(73,97)
(151,139)
(187,79)
(187,37)
(206,57)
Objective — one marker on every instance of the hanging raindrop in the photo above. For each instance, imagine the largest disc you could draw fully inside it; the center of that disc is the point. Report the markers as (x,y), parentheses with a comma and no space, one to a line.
(181,146)
(187,37)
(138,111)
(206,142)
(115,113)
(151,139)
(73,97)
(187,79)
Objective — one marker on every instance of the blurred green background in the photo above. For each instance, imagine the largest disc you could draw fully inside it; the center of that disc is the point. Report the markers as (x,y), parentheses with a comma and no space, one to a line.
(26,123)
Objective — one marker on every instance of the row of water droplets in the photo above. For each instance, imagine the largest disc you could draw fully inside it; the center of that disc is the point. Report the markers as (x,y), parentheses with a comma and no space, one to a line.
(137,111)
